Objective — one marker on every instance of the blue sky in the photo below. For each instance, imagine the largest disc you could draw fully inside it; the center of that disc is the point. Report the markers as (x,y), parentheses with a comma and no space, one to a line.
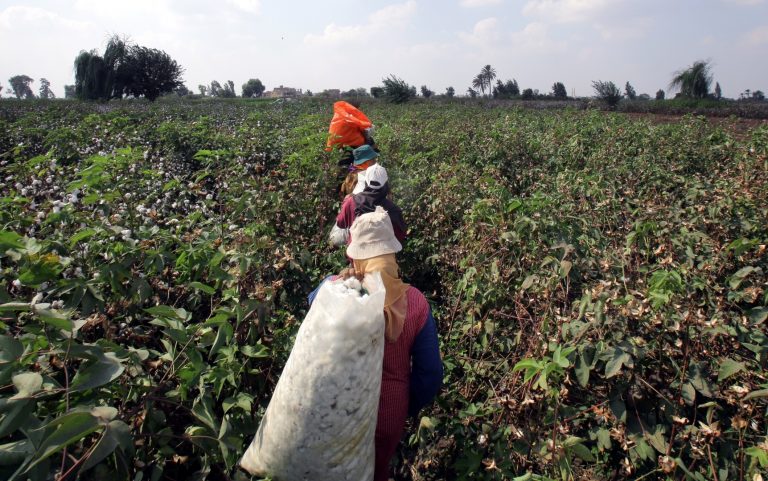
(318,45)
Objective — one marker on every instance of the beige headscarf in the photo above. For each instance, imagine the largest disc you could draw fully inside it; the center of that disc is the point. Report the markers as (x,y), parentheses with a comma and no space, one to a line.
(395,301)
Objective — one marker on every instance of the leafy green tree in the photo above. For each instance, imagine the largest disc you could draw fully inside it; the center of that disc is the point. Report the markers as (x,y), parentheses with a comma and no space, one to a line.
(203,89)
(487,74)
(629,91)
(425,92)
(253,88)
(471,92)
(693,82)
(506,90)
(397,90)
(718,91)
(215,89)
(528,94)
(1,90)
(450,92)
(660,94)
(607,91)
(228,90)
(377,92)
(758,95)
(152,73)
(558,91)
(125,69)
(20,86)
(182,91)
(45,89)
(478,83)
(45,92)
(69,92)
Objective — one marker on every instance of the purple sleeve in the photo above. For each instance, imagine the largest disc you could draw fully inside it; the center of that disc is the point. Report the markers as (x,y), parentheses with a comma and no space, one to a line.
(347,214)
(426,367)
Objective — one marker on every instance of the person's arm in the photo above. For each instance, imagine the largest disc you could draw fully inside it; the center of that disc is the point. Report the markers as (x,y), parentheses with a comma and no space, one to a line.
(398,224)
(426,367)
(347,214)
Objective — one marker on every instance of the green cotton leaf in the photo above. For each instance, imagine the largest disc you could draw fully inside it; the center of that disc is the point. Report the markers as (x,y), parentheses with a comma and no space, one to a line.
(115,434)
(17,414)
(528,282)
(257,352)
(242,401)
(736,279)
(81,235)
(760,454)
(756,394)
(618,358)
(14,453)
(10,240)
(54,318)
(97,373)
(15,306)
(203,411)
(657,439)
(27,384)
(698,380)
(582,452)
(168,312)
(582,370)
(45,268)
(203,287)
(729,367)
(619,409)
(64,431)
(758,314)
(689,393)
(10,349)
(223,336)
(603,440)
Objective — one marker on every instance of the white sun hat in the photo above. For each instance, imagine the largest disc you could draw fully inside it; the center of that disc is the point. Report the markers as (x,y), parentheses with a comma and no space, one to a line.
(372,235)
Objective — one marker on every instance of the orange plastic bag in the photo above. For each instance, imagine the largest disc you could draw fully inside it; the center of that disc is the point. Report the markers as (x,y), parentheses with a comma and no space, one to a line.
(347,126)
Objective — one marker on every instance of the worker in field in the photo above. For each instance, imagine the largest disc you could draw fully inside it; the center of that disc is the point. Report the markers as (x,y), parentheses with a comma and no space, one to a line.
(350,128)
(372,191)
(412,369)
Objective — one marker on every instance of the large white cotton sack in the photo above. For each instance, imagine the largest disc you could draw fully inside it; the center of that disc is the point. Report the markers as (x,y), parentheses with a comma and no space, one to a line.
(321,420)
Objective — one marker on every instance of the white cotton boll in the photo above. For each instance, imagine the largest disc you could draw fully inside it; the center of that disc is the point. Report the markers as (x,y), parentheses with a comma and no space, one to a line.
(232,227)
(128,195)
(16,283)
(353,283)
(56,209)
(209,197)
(17,185)
(126,232)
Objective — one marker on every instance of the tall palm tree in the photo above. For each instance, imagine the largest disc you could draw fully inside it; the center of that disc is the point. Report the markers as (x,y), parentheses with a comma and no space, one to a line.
(479,83)
(488,73)
(694,81)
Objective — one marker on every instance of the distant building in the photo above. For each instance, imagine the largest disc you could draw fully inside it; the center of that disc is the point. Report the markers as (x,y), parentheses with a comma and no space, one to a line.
(282,92)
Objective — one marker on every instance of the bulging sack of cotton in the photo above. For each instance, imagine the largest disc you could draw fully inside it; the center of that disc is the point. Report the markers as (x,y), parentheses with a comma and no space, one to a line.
(321,420)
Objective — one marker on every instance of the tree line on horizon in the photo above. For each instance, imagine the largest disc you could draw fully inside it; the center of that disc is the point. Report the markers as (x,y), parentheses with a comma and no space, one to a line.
(128,70)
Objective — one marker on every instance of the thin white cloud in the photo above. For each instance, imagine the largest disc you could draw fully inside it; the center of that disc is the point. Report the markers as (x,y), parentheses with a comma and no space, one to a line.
(566,11)
(757,36)
(479,3)
(746,2)
(534,39)
(631,29)
(18,16)
(484,34)
(391,16)
(249,6)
